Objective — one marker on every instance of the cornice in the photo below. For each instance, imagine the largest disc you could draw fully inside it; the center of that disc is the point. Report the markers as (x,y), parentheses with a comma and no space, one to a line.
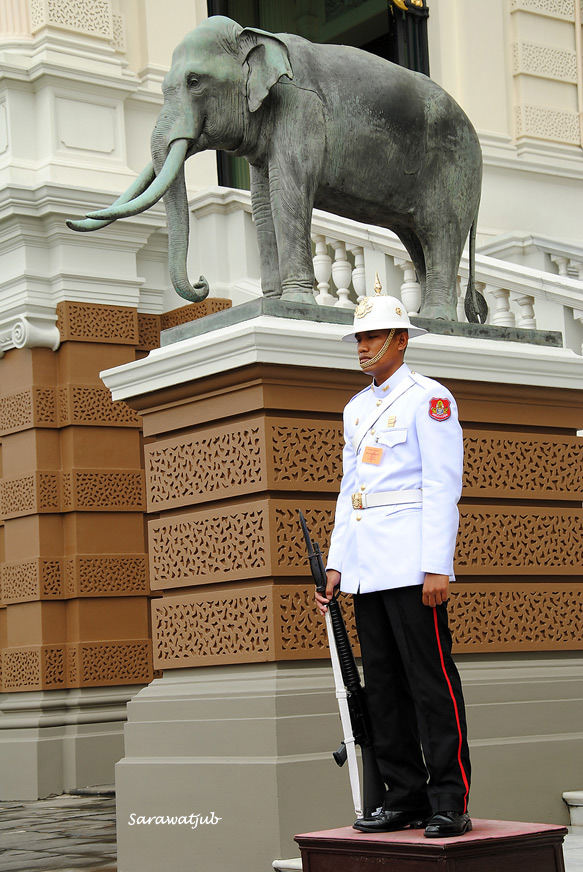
(298,343)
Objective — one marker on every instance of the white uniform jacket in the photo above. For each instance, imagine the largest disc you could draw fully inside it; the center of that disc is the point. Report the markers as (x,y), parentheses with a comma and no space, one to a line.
(412,423)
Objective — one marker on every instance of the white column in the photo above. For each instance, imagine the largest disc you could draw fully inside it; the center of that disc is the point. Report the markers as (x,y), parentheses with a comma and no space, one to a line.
(14,20)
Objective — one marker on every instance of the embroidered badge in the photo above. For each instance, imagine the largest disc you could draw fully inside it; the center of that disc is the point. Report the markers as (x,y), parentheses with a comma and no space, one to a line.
(439,409)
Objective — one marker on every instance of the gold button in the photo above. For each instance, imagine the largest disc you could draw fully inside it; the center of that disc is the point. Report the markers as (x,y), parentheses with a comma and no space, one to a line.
(379,402)
(359,517)
(363,487)
(372,432)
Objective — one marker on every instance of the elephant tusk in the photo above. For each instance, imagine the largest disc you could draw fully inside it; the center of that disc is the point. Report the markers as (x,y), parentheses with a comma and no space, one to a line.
(154,192)
(143,181)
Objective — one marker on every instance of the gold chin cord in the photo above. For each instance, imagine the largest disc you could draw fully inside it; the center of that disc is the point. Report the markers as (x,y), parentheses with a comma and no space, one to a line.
(379,354)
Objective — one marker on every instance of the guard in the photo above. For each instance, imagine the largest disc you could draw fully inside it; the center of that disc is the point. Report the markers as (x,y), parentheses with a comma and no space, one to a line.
(393,547)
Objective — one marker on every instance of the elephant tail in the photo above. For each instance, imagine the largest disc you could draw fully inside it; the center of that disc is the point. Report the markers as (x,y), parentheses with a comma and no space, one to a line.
(475,305)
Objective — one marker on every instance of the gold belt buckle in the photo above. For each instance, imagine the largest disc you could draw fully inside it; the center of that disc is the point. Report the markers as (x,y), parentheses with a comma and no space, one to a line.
(357,501)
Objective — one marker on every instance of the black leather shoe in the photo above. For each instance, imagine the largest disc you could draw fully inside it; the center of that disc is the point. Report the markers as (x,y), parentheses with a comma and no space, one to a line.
(447,823)
(387,821)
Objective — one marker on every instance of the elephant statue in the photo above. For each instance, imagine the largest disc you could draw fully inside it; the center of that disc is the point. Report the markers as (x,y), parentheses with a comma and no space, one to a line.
(329,126)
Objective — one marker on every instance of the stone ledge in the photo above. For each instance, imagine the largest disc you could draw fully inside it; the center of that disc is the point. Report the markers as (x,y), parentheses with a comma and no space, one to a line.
(278,308)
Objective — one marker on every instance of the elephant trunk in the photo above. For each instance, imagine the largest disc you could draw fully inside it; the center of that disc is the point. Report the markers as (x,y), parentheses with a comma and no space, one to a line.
(176,203)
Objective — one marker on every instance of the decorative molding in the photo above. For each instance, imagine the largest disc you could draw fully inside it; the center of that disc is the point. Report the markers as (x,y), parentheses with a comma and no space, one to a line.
(29,580)
(91,405)
(519,540)
(79,490)
(149,326)
(89,17)
(106,575)
(522,466)
(38,492)
(30,332)
(280,622)
(221,461)
(222,628)
(105,663)
(543,122)
(285,342)
(86,490)
(34,667)
(545,61)
(201,547)
(525,617)
(244,457)
(81,664)
(118,27)
(260,539)
(564,9)
(87,322)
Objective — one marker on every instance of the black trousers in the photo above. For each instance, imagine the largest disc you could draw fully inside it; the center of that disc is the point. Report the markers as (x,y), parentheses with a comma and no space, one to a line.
(415,699)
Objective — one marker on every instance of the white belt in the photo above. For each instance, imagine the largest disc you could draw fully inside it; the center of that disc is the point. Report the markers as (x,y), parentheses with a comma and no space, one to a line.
(388,498)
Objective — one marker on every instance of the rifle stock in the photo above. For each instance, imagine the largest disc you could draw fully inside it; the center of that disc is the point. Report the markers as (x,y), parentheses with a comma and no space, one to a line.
(374,788)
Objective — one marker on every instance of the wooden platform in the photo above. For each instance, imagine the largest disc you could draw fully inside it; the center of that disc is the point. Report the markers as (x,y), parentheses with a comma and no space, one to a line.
(492,846)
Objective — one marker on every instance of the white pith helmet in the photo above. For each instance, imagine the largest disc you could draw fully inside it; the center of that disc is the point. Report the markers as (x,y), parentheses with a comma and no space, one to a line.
(381,312)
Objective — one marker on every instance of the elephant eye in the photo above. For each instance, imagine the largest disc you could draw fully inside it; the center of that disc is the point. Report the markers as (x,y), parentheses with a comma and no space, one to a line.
(192,81)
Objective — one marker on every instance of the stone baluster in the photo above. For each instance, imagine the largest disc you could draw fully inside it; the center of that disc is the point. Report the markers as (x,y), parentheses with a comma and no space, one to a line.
(323,271)
(562,263)
(460,311)
(358,273)
(578,316)
(410,289)
(502,317)
(577,265)
(527,318)
(342,274)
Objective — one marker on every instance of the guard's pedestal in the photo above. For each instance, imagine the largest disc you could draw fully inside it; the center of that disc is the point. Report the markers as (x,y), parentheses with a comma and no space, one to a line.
(503,846)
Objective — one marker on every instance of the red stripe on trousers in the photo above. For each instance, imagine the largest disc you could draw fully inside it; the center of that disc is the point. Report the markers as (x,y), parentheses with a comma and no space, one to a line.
(455,708)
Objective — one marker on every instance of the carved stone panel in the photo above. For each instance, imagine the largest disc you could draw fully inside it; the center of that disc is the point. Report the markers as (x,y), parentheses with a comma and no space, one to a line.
(86,322)
(28,580)
(525,466)
(517,617)
(259,539)
(519,540)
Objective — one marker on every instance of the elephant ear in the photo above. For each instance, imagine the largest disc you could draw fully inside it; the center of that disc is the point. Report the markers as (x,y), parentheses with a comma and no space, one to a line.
(267,59)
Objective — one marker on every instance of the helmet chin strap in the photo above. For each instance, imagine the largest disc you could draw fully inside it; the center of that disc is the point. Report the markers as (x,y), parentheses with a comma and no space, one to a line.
(368,363)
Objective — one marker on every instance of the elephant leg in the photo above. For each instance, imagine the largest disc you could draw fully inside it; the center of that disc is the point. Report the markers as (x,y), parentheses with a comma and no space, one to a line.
(266,240)
(292,200)
(442,248)
(415,250)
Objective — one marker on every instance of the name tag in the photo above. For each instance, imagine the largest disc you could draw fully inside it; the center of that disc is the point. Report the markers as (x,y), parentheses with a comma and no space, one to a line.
(372,455)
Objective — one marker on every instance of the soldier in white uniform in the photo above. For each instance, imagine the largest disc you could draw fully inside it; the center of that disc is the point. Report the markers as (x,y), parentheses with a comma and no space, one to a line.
(393,547)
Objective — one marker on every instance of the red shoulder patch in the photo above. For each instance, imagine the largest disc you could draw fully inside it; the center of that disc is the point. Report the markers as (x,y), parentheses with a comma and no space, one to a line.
(439,409)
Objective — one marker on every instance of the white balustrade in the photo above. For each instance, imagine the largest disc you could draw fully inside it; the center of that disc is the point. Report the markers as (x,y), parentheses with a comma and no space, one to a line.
(502,317)
(347,253)
(562,264)
(323,271)
(342,274)
(527,318)
(359,272)
(410,289)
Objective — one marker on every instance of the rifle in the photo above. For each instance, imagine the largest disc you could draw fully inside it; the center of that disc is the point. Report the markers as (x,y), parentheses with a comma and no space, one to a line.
(350,694)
